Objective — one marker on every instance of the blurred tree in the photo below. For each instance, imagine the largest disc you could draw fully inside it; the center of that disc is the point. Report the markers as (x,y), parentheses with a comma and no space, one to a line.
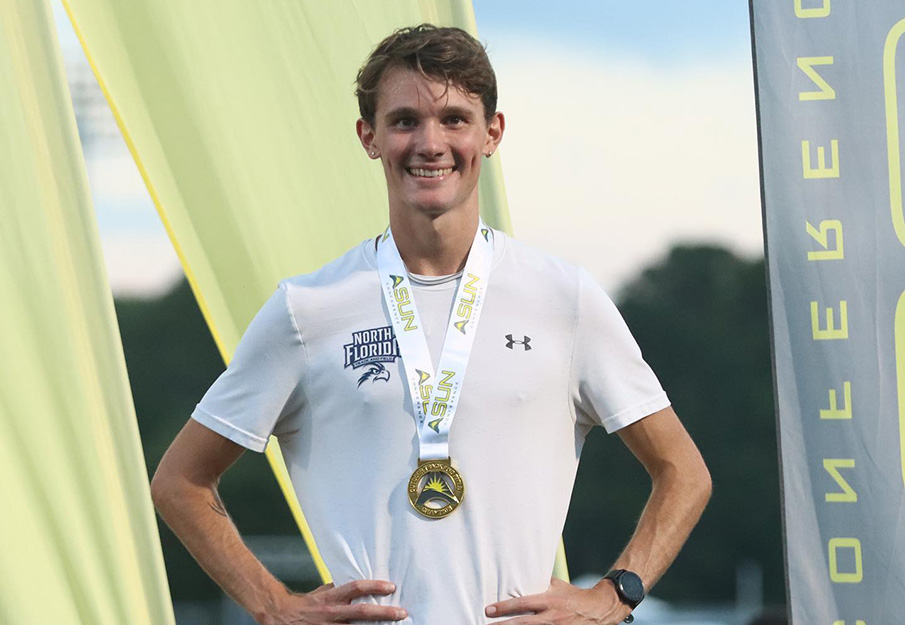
(700,318)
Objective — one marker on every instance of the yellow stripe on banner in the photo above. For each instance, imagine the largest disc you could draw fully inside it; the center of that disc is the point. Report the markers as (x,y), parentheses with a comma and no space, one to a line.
(155,197)
(561,567)
(899,330)
(893,149)
(894,155)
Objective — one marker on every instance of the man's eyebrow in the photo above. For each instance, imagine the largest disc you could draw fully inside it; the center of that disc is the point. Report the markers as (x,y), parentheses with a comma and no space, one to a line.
(404,111)
(458,111)
(407,111)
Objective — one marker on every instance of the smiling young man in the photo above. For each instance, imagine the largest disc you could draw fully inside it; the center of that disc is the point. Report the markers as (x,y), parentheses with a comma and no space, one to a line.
(419,520)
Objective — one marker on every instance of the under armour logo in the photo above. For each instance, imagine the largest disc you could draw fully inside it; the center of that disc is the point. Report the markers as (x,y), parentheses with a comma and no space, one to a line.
(511,341)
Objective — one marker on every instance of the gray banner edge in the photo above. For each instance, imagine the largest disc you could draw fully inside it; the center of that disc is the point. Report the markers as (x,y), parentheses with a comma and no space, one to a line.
(763,207)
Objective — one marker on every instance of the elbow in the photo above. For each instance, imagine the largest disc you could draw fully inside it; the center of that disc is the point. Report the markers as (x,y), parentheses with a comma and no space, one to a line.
(172,485)
(164,485)
(703,483)
(698,482)
(689,474)
(708,486)
(691,478)
(159,488)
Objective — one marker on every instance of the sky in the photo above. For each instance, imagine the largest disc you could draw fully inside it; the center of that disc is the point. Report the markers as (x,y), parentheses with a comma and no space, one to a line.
(630,128)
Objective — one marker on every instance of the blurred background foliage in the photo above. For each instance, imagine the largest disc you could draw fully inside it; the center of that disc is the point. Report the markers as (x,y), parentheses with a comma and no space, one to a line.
(700,317)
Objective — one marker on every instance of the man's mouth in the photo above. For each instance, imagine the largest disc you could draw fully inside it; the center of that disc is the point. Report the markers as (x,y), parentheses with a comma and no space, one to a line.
(429,173)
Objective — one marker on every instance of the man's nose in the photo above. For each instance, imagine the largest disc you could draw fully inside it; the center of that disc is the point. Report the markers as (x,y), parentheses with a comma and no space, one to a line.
(430,140)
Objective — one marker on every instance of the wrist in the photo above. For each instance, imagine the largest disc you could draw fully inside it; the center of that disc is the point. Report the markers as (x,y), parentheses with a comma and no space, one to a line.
(628,588)
(272,604)
(609,600)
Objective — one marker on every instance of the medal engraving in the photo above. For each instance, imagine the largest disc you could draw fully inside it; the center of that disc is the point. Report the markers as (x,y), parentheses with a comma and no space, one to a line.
(436,489)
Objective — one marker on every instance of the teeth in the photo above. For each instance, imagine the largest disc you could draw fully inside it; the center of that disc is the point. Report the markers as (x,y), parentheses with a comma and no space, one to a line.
(430,173)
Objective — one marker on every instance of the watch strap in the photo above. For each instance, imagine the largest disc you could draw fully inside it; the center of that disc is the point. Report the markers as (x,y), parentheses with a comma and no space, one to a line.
(616,576)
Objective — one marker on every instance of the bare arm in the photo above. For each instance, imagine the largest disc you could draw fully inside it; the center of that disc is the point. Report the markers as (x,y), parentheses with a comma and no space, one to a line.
(184,490)
(681,489)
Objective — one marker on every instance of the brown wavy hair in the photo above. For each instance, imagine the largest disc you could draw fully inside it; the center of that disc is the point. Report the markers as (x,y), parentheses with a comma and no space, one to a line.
(445,54)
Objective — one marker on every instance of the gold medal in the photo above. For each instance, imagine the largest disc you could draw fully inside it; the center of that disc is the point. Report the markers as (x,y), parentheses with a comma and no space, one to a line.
(435,488)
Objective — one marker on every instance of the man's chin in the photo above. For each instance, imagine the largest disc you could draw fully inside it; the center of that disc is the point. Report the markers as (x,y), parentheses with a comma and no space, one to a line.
(433,210)
(434,207)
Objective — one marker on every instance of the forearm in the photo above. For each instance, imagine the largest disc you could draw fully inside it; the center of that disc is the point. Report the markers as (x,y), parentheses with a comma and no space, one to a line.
(197,516)
(675,504)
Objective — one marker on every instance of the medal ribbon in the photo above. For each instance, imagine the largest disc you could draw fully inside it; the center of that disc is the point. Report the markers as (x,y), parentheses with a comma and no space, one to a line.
(435,396)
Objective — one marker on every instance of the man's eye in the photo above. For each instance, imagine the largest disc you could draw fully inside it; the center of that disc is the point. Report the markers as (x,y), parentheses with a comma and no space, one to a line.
(406,122)
(454,120)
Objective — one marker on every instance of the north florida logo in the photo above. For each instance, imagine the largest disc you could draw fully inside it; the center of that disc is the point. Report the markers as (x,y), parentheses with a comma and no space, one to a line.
(370,349)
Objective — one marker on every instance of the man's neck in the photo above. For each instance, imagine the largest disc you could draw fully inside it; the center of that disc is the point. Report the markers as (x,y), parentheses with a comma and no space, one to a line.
(434,245)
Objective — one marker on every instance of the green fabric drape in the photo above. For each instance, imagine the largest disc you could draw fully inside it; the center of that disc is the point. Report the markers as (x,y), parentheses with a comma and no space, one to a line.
(78,537)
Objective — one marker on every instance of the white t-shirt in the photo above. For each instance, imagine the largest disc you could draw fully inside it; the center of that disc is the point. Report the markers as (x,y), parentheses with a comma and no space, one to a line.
(318,367)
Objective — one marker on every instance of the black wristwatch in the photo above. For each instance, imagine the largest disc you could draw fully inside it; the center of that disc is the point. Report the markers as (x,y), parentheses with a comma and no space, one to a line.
(629,588)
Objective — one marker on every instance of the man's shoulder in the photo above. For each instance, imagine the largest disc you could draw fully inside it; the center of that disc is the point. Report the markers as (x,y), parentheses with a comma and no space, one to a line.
(354,263)
(337,288)
(524,261)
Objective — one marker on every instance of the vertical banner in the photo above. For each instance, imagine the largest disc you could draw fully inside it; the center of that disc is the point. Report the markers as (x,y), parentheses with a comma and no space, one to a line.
(829,79)
(78,537)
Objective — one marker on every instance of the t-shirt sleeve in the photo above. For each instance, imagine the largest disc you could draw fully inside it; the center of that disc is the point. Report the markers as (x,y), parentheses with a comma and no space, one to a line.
(611,384)
(252,396)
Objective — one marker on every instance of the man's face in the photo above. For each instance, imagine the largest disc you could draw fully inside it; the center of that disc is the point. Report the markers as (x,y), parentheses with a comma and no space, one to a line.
(430,140)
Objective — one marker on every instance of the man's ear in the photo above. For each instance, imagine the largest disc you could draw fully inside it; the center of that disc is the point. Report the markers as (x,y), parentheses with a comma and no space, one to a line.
(366,136)
(495,130)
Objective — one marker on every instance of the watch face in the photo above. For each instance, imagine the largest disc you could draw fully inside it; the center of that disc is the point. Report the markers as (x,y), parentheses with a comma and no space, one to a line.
(632,587)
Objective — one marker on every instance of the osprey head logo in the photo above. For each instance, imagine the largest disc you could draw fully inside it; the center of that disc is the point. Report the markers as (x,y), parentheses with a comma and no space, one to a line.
(435,425)
(460,325)
(486,233)
(396,280)
(375,372)
(423,376)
